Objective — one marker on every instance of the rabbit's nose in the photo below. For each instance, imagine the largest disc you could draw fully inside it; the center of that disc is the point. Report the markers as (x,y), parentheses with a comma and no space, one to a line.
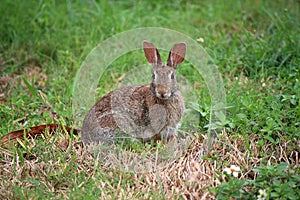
(162,91)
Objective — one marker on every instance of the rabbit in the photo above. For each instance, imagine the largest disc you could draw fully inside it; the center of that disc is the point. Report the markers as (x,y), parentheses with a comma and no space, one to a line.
(144,112)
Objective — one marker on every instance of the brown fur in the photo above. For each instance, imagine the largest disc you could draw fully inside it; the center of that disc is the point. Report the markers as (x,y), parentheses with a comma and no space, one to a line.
(144,112)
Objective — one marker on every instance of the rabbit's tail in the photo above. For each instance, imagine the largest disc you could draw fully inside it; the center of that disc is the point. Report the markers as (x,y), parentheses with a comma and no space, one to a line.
(33,132)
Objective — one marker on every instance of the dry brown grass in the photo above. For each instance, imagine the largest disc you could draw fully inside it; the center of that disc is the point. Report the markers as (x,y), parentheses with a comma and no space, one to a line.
(189,177)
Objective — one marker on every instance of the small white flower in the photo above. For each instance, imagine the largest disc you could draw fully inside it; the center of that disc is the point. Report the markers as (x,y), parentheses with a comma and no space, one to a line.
(200,39)
(262,194)
(234,170)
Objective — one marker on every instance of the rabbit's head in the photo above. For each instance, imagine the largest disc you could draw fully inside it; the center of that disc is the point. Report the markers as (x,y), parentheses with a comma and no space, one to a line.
(164,83)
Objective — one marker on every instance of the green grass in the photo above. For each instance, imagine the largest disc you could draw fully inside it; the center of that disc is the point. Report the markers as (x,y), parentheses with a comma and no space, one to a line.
(255,44)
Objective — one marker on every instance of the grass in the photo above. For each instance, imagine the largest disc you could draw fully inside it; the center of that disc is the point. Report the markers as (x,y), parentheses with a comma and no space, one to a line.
(256,46)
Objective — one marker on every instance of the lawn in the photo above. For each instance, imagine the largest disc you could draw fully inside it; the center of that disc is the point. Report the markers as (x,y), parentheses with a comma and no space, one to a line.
(255,46)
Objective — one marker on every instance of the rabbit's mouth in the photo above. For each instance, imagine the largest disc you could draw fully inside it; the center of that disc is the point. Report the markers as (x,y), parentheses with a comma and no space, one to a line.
(163,96)
(162,92)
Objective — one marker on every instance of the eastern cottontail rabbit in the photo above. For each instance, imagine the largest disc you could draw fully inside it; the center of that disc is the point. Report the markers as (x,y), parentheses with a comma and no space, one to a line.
(144,112)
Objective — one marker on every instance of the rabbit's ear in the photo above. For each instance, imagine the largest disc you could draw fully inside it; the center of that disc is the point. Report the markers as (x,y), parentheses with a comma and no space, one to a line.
(151,53)
(176,55)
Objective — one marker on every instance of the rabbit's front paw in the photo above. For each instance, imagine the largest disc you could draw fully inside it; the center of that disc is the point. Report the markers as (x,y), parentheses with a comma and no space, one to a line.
(169,134)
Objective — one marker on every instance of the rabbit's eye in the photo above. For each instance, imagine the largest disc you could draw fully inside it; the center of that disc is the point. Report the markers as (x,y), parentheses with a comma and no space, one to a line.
(172,75)
(153,76)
